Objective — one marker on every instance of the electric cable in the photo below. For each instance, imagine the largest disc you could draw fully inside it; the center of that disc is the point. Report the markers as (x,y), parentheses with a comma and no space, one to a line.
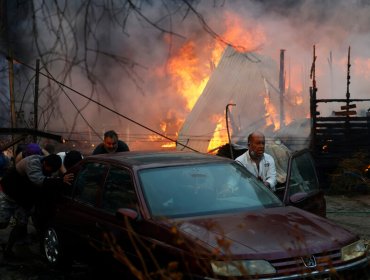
(102,105)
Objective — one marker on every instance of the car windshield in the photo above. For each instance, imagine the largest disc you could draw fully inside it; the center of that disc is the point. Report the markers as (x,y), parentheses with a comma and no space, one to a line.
(203,189)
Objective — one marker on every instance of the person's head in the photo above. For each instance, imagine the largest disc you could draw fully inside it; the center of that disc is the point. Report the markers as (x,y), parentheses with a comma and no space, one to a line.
(72,158)
(51,164)
(50,148)
(32,149)
(110,141)
(20,148)
(256,144)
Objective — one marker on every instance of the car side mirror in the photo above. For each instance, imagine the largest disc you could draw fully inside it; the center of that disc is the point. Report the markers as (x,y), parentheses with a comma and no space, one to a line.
(123,213)
(297,197)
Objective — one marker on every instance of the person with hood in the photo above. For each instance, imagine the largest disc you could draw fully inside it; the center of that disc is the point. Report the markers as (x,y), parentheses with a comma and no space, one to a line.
(29,150)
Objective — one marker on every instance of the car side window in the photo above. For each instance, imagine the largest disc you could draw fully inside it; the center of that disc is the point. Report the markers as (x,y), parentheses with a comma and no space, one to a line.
(88,182)
(119,191)
(303,177)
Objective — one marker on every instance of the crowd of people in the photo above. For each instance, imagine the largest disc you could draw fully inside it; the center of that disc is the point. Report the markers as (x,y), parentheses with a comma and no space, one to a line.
(31,182)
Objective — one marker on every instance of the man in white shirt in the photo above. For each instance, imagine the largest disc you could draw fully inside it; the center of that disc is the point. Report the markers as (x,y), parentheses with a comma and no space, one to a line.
(256,161)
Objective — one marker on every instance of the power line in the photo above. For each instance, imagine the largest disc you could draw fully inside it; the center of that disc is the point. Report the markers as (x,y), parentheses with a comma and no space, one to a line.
(74,105)
(102,105)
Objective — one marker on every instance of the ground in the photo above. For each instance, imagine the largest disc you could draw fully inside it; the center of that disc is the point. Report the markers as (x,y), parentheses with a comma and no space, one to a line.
(350,212)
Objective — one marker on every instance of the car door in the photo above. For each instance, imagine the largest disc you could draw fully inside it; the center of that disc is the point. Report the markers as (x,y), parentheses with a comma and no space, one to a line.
(302,187)
(78,218)
(132,241)
(115,235)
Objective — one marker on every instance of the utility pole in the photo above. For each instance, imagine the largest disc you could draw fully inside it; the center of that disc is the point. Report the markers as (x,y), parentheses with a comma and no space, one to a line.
(11,93)
(36,99)
(4,27)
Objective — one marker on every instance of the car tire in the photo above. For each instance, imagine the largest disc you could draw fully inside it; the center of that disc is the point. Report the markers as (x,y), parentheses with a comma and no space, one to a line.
(54,251)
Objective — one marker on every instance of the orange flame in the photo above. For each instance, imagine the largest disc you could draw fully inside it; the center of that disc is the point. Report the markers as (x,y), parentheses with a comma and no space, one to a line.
(170,123)
(243,39)
(192,65)
(220,135)
(298,100)
(189,75)
(190,69)
(271,116)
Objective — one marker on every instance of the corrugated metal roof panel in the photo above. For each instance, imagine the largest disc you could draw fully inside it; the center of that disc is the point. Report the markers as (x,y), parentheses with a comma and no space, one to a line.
(239,78)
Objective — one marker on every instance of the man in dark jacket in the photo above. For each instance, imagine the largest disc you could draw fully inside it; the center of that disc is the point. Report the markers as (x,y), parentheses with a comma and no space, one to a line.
(111,144)
(20,188)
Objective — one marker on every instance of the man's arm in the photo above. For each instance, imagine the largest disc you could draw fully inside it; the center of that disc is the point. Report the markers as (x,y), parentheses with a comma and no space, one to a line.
(271,174)
(122,147)
(98,150)
(34,172)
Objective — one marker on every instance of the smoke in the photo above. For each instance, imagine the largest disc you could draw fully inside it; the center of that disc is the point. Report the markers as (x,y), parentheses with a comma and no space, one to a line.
(121,58)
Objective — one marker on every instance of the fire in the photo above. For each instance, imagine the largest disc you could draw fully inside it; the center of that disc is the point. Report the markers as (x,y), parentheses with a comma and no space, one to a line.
(192,66)
(170,145)
(244,39)
(220,135)
(167,125)
(271,116)
(189,74)
(298,100)
(163,125)
(294,88)
(288,119)
(237,33)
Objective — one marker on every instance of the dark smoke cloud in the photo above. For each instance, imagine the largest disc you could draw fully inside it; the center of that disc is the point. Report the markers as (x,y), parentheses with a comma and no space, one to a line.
(135,89)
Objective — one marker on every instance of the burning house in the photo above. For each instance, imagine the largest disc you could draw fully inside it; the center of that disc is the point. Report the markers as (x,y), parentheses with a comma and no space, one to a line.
(247,92)
(250,83)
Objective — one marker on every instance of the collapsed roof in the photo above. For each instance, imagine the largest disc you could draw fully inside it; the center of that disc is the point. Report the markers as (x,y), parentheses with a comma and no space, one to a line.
(244,79)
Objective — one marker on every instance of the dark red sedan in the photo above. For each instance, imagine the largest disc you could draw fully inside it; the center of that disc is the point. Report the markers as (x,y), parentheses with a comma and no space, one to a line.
(182,215)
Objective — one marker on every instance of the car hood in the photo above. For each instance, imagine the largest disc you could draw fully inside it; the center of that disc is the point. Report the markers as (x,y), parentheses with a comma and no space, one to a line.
(269,233)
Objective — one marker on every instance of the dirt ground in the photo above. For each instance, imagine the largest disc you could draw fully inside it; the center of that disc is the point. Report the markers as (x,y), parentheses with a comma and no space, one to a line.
(352,213)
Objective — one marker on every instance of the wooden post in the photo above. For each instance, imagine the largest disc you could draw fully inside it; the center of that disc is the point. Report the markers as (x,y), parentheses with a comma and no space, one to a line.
(227,128)
(313,102)
(13,121)
(282,88)
(348,95)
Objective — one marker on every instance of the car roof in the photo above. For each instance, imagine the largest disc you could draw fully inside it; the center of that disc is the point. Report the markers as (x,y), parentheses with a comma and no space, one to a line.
(158,158)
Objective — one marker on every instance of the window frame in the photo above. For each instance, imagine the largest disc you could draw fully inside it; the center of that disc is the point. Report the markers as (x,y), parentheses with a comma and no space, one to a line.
(103,189)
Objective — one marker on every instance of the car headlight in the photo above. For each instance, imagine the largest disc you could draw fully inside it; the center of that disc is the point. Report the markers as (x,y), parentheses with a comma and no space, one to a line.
(240,268)
(354,250)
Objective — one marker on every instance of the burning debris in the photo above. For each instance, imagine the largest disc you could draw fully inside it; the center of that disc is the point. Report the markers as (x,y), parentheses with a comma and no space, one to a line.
(249,81)
(165,53)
